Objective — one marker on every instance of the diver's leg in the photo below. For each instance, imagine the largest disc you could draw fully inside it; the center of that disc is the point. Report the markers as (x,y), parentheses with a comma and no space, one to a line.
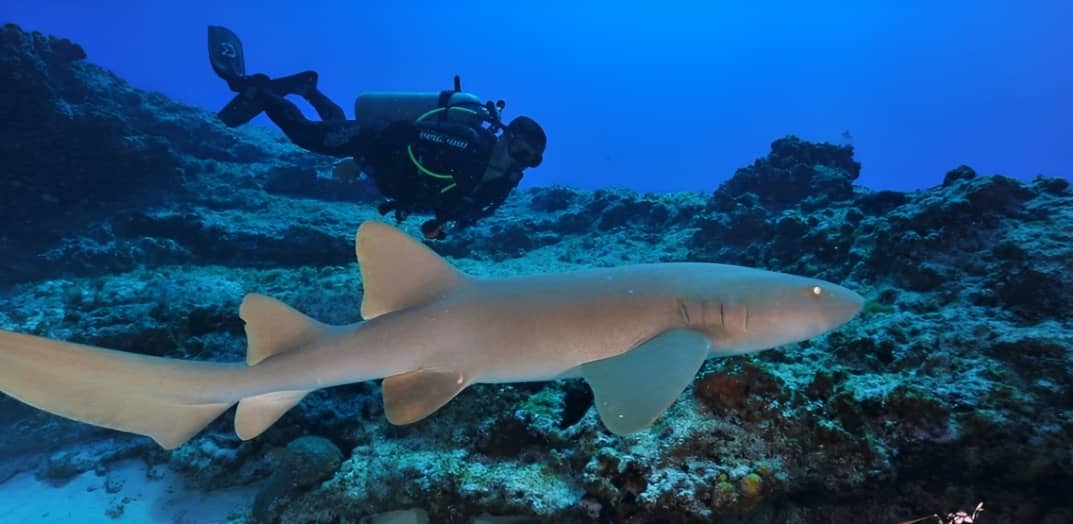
(333,137)
(328,110)
(304,84)
(242,108)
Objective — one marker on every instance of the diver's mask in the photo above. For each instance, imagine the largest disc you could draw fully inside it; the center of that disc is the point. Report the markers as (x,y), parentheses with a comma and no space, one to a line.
(525,141)
(521,152)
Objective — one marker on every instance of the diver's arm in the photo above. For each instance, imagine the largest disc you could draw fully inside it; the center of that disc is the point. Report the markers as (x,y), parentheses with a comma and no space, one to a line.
(485,200)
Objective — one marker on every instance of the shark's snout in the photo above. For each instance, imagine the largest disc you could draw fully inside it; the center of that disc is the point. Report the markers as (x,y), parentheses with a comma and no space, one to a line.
(850,303)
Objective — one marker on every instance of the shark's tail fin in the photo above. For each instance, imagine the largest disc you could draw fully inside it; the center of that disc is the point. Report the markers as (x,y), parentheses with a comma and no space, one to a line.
(103,387)
(272,327)
(153,396)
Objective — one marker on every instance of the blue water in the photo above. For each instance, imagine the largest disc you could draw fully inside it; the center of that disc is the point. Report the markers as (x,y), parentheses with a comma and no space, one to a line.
(655,99)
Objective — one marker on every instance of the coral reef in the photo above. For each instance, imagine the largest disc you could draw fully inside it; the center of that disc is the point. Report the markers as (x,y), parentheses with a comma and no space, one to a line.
(305,462)
(138,223)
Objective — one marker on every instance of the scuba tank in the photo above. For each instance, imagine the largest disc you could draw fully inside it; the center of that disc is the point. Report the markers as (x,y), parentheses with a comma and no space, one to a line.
(378,109)
(419,176)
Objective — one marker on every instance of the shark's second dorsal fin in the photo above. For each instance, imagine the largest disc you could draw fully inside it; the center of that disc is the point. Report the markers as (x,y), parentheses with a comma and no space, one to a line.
(398,271)
(274,327)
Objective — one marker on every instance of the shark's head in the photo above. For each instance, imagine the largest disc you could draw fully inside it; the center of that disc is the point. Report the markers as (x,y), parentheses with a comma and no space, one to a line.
(755,309)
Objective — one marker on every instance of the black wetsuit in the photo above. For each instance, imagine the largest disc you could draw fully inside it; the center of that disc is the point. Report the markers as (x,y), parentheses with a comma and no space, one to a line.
(454,158)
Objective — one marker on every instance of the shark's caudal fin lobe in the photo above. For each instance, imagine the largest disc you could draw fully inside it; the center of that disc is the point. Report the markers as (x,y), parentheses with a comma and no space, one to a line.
(106,388)
(272,327)
(633,389)
(412,396)
(398,271)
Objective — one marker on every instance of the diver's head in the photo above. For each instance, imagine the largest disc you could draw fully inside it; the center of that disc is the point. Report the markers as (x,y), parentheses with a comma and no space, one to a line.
(525,141)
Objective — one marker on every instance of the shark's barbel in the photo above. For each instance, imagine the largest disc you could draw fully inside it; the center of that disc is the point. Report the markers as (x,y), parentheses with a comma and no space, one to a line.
(637,334)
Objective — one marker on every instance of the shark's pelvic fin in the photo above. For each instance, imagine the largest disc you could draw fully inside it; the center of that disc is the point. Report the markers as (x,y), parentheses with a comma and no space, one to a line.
(272,327)
(633,389)
(398,272)
(256,414)
(107,388)
(412,396)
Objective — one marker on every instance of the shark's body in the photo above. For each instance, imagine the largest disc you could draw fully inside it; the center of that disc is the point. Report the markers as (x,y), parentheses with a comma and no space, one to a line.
(637,334)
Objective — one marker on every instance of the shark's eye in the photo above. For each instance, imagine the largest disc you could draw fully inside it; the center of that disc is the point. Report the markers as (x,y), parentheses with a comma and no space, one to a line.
(817,290)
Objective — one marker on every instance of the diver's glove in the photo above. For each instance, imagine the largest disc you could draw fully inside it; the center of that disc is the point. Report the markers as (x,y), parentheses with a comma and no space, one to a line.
(433,230)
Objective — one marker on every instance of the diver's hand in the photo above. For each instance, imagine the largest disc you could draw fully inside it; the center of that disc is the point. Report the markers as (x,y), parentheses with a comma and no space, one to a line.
(433,230)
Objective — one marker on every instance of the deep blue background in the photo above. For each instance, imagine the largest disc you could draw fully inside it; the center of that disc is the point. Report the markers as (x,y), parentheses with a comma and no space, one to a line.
(654,96)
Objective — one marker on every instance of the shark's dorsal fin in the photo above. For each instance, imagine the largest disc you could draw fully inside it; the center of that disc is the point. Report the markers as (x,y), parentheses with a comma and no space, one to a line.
(412,396)
(633,389)
(398,271)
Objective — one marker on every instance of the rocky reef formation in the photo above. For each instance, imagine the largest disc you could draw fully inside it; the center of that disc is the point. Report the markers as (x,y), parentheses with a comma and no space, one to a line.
(139,223)
(82,146)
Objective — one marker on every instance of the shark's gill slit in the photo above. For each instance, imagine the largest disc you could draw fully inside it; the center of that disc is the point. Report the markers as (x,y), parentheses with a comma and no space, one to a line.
(722,316)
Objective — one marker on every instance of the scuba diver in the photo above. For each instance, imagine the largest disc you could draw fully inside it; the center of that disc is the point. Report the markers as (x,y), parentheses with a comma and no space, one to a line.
(444,153)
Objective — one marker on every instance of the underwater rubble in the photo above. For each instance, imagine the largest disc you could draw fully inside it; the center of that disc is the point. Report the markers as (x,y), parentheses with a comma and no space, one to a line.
(138,223)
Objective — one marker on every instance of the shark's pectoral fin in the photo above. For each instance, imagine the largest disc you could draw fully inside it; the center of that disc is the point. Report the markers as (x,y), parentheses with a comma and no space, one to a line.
(255,414)
(412,396)
(633,389)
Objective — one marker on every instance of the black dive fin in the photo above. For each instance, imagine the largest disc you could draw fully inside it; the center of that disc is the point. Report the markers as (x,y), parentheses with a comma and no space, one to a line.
(240,109)
(297,84)
(225,53)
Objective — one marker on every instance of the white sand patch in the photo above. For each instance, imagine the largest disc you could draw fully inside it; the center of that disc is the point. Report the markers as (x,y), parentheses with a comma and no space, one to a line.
(126,494)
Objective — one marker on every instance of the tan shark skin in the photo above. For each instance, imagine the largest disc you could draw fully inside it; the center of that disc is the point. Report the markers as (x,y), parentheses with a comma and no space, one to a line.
(430,331)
